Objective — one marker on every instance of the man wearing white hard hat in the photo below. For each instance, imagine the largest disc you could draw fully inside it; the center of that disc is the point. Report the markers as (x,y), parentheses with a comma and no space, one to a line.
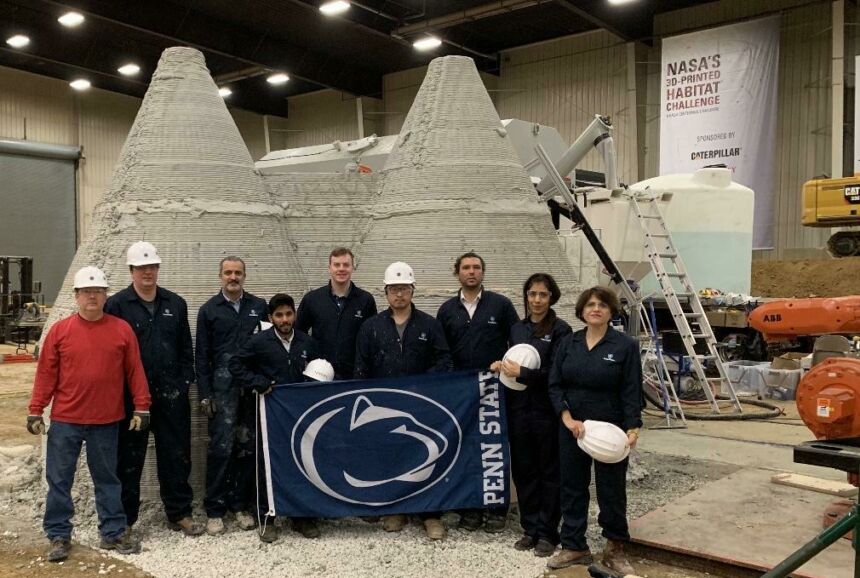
(532,422)
(85,363)
(159,319)
(278,355)
(402,341)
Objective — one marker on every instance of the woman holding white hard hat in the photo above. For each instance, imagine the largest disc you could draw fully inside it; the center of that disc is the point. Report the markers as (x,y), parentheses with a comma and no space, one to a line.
(595,385)
(532,422)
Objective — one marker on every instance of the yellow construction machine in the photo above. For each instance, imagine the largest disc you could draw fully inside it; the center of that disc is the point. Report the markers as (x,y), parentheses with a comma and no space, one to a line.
(834,203)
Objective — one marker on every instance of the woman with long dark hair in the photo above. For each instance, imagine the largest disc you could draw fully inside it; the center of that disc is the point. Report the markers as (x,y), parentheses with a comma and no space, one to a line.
(596,375)
(532,423)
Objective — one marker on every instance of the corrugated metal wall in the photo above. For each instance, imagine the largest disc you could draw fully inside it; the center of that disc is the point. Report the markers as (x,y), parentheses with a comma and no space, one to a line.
(564,83)
(46,110)
(803,130)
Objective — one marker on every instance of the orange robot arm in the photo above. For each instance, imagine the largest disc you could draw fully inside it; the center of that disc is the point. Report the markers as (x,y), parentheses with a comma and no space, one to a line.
(789,318)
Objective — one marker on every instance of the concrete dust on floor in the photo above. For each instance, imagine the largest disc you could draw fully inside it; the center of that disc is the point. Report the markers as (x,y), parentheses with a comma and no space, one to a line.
(644,568)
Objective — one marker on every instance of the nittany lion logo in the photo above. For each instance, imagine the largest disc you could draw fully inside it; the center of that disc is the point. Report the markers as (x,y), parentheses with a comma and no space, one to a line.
(376,451)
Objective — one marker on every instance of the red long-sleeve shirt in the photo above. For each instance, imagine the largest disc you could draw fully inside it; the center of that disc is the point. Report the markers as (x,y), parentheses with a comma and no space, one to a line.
(83,366)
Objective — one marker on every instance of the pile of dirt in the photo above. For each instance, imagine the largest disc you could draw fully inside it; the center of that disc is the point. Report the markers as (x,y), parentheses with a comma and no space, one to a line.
(808,278)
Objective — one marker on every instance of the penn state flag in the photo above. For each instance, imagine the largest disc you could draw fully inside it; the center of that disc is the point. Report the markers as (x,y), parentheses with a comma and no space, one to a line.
(411,444)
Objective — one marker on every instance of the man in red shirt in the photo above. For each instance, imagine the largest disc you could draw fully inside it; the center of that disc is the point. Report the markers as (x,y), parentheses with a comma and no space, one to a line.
(84,364)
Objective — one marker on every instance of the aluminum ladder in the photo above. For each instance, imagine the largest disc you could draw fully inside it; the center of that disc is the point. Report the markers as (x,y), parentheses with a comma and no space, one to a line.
(692,323)
(653,360)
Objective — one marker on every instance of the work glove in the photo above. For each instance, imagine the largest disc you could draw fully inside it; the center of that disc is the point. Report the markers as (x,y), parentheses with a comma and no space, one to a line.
(35,424)
(208,407)
(139,421)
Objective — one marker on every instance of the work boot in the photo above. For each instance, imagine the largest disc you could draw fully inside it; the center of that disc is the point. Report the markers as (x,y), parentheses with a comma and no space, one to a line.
(307,527)
(567,558)
(434,528)
(544,548)
(615,558)
(495,523)
(59,549)
(245,521)
(269,534)
(187,526)
(471,520)
(125,543)
(393,523)
(525,543)
(215,526)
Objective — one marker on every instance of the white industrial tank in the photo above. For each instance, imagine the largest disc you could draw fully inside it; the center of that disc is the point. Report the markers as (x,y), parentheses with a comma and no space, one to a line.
(711,221)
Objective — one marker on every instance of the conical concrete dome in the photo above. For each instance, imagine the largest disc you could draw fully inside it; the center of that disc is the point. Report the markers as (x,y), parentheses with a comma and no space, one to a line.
(453,184)
(185,182)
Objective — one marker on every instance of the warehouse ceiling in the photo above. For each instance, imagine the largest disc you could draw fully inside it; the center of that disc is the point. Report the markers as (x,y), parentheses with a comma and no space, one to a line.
(245,42)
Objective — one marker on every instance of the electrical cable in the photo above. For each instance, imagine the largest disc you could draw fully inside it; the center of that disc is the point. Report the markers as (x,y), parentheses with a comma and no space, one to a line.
(771,411)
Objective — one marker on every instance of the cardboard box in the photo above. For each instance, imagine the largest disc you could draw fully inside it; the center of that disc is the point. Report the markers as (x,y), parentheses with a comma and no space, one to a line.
(789,360)
(735,318)
(716,317)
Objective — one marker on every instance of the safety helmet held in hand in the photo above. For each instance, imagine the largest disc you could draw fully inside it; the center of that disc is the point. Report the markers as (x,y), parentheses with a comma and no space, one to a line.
(399,273)
(319,370)
(524,355)
(90,277)
(604,442)
(142,253)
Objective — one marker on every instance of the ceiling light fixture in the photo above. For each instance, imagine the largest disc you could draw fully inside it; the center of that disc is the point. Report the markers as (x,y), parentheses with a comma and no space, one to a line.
(18,41)
(334,7)
(277,78)
(80,84)
(620,2)
(224,92)
(71,19)
(129,69)
(427,43)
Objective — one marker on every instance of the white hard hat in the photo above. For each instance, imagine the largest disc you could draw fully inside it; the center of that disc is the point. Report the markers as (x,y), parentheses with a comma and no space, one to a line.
(90,277)
(319,370)
(399,273)
(524,355)
(142,253)
(604,442)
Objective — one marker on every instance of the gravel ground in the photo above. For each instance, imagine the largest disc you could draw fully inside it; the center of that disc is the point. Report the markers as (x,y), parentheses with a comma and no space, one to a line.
(352,547)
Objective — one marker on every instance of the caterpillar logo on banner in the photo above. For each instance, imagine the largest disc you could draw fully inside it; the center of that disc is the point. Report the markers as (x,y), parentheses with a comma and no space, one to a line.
(413,444)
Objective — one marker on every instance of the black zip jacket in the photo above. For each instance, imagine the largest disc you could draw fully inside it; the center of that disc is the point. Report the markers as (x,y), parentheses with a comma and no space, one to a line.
(221,332)
(603,384)
(335,330)
(477,342)
(380,353)
(164,338)
(263,361)
(536,394)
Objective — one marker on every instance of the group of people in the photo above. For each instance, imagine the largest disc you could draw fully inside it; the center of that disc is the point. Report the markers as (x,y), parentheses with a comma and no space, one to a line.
(128,359)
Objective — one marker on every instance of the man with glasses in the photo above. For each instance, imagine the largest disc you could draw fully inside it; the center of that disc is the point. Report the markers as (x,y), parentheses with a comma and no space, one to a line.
(402,341)
(84,365)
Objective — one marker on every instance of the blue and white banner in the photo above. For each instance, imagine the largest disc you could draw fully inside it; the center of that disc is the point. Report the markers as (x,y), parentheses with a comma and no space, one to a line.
(413,444)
